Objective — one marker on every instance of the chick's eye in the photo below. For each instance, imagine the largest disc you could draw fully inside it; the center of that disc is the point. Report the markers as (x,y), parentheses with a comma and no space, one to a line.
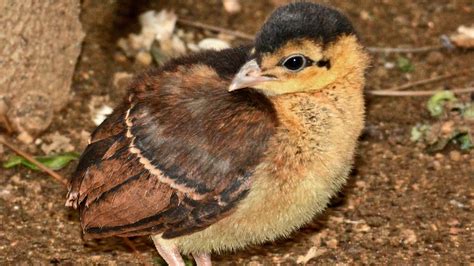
(295,63)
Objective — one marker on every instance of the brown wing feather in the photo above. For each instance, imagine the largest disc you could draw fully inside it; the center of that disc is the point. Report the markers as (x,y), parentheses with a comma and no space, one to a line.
(179,158)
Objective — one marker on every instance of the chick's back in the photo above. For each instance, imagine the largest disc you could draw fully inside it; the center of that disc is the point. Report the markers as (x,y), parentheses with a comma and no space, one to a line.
(177,154)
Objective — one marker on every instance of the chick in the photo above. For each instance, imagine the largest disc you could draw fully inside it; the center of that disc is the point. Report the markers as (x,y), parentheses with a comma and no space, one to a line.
(219,150)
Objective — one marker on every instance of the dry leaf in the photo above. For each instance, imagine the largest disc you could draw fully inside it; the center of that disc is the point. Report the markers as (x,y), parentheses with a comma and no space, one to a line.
(464,38)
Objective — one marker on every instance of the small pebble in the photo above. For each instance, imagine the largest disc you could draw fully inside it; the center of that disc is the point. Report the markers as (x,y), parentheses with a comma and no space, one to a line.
(455,156)
(232,6)
(120,58)
(454,230)
(361,184)
(447,128)
(453,222)
(121,80)
(25,138)
(144,58)
(332,243)
(364,15)
(389,65)
(409,236)
(362,228)
(213,44)
(457,204)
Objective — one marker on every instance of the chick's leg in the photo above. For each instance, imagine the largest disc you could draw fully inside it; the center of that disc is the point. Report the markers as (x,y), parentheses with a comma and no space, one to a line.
(202,259)
(168,251)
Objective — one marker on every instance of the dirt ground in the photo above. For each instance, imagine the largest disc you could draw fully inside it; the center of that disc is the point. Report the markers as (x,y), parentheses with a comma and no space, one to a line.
(401,205)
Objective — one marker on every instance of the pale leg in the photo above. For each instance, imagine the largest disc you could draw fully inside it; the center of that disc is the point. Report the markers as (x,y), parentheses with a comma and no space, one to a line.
(168,251)
(202,259)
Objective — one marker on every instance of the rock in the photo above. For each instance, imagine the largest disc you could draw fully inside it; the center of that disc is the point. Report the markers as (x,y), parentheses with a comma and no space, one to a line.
(362,227)
(121,80)
(99,108)
(144,58)
(447,128)
(161,25)
(56,143)
(457,204)
(193,47)
(120,57)
(213,44)
(409,236)
(453,222)
(364,15)
(454,231)
(172,47)
(35,114)
(25,138)
(232,6)
(464,37)
(84,139)
(455,156)
(389,65)
(332,243)
(156,26)
(101,114)
(6,193)
(38,54)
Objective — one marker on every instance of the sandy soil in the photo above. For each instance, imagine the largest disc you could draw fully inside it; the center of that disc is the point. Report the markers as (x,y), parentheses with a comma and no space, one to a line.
(402,205)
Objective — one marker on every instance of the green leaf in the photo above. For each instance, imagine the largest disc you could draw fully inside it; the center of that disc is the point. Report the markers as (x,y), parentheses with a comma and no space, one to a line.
(157,260)
(418,131)
(405,65)
(464,141)
(436,103)
(54,162)
(188,261)
(13,161)
(468,112)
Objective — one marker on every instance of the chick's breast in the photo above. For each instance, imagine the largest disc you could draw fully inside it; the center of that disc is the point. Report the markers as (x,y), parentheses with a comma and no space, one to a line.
(307,160)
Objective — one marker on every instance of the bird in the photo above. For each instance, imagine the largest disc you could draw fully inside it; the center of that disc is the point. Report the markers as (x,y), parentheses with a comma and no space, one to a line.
(218,150)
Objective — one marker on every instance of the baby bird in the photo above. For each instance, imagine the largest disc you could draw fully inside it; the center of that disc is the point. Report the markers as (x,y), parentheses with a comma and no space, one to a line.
(222,149)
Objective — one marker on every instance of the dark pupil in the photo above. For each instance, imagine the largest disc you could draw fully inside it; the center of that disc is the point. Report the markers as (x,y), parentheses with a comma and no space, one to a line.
(294,63)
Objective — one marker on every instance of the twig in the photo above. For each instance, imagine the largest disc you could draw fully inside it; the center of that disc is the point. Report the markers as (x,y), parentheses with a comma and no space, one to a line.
(405,50)
(63,181)
(200,25)
(245,36)
(41,166)
(415,93)
(4,120)
(430,80)
(135,251)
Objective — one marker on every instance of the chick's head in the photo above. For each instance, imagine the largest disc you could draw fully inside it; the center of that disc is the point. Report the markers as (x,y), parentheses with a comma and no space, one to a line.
(302,47)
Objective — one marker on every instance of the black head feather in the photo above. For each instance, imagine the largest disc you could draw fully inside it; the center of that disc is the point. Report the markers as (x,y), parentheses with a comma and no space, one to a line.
(301,20)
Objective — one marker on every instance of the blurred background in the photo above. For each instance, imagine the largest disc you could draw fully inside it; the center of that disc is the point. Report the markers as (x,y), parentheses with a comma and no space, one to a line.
(66,64)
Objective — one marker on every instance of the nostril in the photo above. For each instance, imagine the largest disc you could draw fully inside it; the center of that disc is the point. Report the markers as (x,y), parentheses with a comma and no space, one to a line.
(252,73)
(269,76)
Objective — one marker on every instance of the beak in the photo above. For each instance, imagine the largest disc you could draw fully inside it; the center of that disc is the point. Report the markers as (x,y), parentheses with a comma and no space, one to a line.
(249,75)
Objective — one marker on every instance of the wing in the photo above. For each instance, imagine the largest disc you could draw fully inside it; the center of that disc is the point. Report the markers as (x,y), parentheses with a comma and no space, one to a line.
(176,158)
